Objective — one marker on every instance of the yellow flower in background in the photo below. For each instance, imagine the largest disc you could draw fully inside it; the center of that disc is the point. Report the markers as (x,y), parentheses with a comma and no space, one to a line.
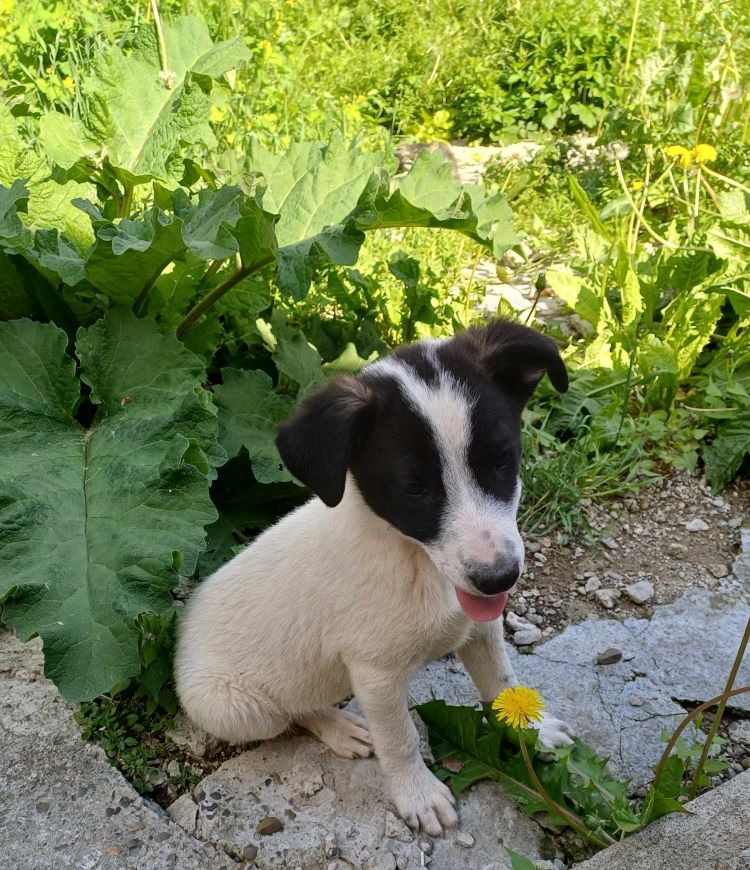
(704,154)
(679,155)
(637,185)
(217,114)
(68,83)
(518,706)
(6,6)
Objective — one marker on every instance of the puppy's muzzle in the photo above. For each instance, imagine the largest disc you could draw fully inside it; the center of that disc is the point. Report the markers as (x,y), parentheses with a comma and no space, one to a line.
(501,576)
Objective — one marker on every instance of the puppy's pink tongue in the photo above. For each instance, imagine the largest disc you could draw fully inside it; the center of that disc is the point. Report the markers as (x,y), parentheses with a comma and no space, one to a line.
(481,608)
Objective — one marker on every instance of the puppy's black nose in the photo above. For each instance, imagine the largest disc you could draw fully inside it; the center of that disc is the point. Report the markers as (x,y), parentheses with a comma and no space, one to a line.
(493,579)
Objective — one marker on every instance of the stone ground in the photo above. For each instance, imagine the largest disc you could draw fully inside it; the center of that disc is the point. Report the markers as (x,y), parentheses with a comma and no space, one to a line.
(619,676)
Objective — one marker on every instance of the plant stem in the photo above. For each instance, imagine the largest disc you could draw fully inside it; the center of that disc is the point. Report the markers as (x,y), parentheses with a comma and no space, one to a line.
(210,298)
(160,38)
(631,38)
(720,710)
(572,819)
(724,696)
(646,226)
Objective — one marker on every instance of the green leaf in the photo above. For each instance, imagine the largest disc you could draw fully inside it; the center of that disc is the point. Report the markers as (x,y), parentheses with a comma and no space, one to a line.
(249,412)
(50,204)
(724,456)
(146,138)
(299,361)
(587,207)
(518,861)
(93,528)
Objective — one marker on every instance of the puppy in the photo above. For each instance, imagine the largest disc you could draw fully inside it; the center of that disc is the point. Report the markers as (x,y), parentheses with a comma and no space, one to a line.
(408,552)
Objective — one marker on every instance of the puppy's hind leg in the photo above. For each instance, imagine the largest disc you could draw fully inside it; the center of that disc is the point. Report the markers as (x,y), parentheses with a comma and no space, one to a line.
(232,710)
(343,732)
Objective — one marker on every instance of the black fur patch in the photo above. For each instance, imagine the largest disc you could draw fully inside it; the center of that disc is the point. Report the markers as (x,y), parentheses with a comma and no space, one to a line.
(397,466)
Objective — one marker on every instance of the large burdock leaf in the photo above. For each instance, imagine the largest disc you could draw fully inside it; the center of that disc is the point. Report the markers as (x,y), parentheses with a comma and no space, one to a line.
(96,523)
(249,412)
(139,118)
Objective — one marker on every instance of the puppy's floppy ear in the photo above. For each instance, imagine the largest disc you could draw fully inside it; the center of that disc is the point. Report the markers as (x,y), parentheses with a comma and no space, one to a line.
(317,443)
(517,357)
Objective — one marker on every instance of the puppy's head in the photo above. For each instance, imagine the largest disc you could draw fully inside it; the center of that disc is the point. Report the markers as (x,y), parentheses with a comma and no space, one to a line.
(431,436)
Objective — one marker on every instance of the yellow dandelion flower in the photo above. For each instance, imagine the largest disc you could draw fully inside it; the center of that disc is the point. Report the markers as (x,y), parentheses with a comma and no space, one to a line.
(217,114)
(679,155)
(68,83)
(704,154)
(518,706)
(6,6)
(637,185)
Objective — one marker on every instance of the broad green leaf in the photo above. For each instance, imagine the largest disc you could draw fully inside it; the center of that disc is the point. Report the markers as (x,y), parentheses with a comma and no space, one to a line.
(131,254)
(632,300)
(578,294)
(146,137)
(724,456)
(95,523)
(299,361)
(249,412)
(688,325)
(50,204)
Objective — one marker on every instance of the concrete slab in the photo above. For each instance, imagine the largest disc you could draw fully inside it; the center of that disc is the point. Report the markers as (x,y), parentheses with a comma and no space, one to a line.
(715,837)
(62,805)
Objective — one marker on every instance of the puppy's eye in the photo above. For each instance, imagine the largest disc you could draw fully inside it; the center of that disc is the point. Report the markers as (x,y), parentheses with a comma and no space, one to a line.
(414,487)
(502,460)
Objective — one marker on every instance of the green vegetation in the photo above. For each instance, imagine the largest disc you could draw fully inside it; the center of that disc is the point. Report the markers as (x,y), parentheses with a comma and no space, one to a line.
(203,219)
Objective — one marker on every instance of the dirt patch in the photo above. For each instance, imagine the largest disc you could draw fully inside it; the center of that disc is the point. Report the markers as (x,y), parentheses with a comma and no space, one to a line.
(646,537)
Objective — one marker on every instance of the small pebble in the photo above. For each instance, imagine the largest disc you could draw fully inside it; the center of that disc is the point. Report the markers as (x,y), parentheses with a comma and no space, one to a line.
(527,636)
(636,700)
(463,839)
(425,845)
(640,592)
(250,853)
(269,825)
(719,571)
(610,656)
(610,543)
(697,525)
(592,584)
(607,597)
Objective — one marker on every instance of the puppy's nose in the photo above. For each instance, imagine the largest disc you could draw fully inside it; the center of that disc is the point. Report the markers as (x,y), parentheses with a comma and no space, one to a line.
(493,579)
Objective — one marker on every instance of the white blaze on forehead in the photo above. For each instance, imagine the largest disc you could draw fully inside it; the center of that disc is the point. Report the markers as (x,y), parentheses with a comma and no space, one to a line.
(445,407)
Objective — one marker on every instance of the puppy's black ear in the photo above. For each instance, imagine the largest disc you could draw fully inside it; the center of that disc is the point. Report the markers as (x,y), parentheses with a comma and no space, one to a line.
(319,440)
(517,357)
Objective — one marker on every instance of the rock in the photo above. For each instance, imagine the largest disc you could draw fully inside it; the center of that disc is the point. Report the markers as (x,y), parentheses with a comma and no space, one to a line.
(676,549)
(396,829)
(739,731)
(718,571)
(527,636)
(610,543)
(192,739)
(519,605)
(173,769)
(697,525)
(461,838)
(184,811)
(425,845)
(516,623)
(269,825)
(330,847)
(352,807)
(636,700)
(640,592)
(716,825)
(384,861)
(610,656)
(592,584)
(250,853)
(63,804)
(607,597)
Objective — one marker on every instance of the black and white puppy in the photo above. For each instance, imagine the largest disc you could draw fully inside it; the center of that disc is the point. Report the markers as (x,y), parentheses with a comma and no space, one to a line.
(408,552)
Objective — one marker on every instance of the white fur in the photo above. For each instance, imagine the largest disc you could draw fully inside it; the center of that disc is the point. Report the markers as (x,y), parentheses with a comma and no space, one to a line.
(335,601)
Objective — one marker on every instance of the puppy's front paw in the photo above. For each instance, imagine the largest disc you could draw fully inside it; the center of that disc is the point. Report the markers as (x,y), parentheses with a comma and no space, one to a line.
(423,802)
(553,732)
